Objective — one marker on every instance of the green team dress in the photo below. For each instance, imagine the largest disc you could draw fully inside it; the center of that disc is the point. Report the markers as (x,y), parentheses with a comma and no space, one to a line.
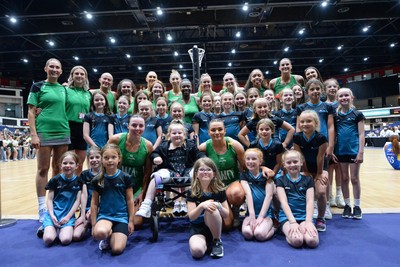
(227,164)
(52,122)
(190,109)
(78,102)
(133,163)
(172,97)
(279,87)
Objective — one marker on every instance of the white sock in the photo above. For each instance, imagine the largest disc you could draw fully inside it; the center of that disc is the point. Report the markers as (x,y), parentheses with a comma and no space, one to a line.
(147,201)
(347,201)
(338,190)
(357,202)
(42,202)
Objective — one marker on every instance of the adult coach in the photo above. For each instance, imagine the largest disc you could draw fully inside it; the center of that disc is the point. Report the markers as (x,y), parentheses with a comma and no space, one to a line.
(49,130)
(287,79)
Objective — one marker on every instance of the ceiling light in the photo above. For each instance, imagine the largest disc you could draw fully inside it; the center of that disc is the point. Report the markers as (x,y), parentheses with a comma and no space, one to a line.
(238,34)
(25,60)
(324,3)
(366,28)
(76,58)
(301,31)
(176,53)
(267,72)
(346,69)
(13,20)
(275,62)
(94,70)
(392,44)
(180,66)
(50,42)
(286,49)
(139,68)
(159,11)
(340,47)
(233,51)
(128,55)
(184,75)
(88,15)
(169,37)
(230,64)
(366,58)
(321,60)
(112,40)
(245,6)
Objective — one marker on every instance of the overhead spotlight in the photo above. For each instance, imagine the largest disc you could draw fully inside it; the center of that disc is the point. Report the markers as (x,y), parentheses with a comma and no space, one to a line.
(25,60)
(88,15)
(50,42)
(346,69)
(321,60)
(128,55)
(255,29)
(13,20)
(324,3)
(301,31)
(139,68)
(184,75)
(94,70)
(158,35)
(267,72)
(275,62)
(230,64)
(176,53)
(159,11)
(112,40)
(392,44)
(76,58)
(286,49)
(366,58)
(340,47)
(366,28)
(233,51)
(238,34)
(180,66)
(245,6)
(169,37)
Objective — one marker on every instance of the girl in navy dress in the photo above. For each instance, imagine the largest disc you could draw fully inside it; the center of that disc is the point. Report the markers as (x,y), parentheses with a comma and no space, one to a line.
(313,146)
(392,151)
(262,110)
(230,117)
(62,201)
(112,203)
(240,101)
(287,113)
(95,126)
(259,191)
(207,206)
(119,121)
(296,195)
(349,149)
(153,129)
(162,116)
(82,224)
(201,120)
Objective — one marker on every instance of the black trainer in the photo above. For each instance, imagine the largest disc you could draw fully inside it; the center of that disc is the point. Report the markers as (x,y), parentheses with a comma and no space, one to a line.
(357,214)
(217,250)
(347,212)
(40,232)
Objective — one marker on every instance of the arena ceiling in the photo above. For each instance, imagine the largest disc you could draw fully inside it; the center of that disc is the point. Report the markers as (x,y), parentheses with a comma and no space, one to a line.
(368,33)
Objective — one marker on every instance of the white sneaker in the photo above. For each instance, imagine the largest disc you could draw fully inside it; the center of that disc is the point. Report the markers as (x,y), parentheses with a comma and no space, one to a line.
(184,209)
(340,201)
(177,208)
(328,213)
(145,209)
(315,213)
(332,201)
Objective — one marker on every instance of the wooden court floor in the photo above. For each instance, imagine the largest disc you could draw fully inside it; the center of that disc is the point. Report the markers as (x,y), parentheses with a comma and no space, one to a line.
(380,187)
